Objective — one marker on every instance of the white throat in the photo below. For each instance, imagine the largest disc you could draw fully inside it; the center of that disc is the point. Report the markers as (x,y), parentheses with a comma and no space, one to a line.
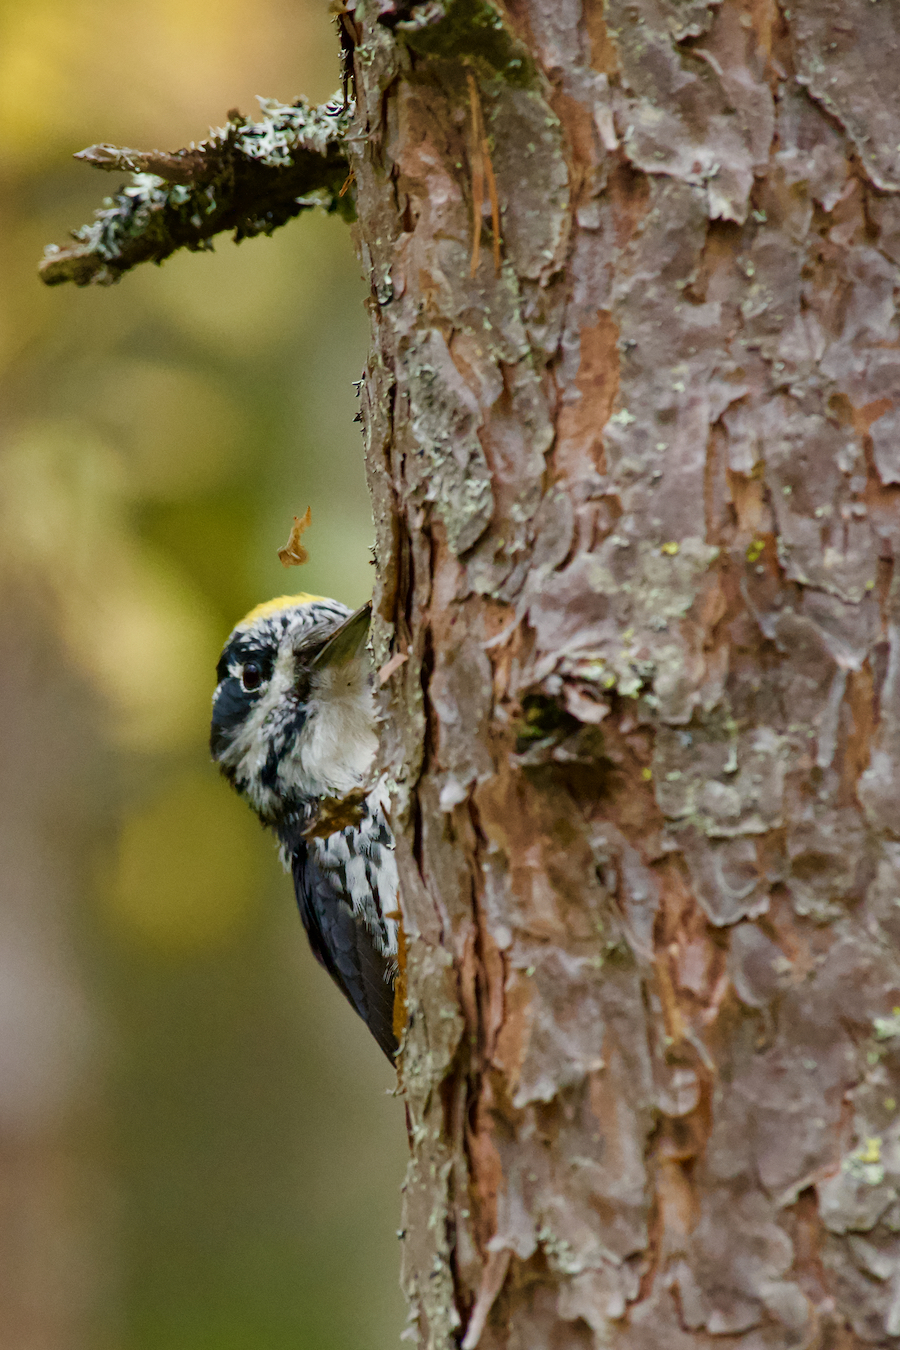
(335,751)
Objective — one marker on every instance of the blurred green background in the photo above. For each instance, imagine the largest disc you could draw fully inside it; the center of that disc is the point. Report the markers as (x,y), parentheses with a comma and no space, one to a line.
(198,1145)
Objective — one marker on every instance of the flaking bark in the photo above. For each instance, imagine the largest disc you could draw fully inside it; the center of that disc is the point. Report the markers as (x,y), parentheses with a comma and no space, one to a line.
(637,511)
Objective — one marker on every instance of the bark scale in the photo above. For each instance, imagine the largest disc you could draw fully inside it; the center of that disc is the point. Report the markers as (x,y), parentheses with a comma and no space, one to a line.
(637,509)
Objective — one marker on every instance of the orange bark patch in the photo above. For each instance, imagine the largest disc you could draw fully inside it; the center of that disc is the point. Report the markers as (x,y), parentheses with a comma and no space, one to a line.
(748,498)
(763,19)
(629,192)
(580,137)
(870,412)
(860,698)
(580,425)
(603,53)
(716,270)
(677,1198)
(400,1013)
(486,1169)
(512,1039)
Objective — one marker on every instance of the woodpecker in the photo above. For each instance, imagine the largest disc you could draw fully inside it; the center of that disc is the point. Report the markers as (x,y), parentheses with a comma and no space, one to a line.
(293,727)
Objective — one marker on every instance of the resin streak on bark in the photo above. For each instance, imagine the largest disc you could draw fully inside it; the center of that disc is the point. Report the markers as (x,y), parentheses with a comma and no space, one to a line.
(638,503)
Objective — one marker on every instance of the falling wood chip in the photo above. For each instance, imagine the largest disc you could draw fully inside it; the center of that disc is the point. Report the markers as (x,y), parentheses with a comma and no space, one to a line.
(294,554)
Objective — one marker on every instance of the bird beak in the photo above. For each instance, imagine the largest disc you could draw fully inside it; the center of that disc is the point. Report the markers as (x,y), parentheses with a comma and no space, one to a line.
(347,642)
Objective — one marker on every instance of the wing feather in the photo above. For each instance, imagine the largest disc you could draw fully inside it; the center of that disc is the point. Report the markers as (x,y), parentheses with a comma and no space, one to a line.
(343,943)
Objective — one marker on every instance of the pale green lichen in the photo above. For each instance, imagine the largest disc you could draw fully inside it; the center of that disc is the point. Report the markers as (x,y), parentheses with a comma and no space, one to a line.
(723,783)
(560,1254)
(249,177)
(864,1163)
(449,464)
(285,127)
(660,587)
(886,1028)
(469,31)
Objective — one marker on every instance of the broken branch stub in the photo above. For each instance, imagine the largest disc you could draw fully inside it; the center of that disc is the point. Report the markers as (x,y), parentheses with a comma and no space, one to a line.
(249,177)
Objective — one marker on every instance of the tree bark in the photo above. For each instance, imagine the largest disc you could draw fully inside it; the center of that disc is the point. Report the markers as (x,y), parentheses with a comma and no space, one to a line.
(636,497)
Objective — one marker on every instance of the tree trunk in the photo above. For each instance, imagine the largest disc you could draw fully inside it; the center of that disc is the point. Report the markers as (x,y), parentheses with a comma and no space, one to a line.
(637,509)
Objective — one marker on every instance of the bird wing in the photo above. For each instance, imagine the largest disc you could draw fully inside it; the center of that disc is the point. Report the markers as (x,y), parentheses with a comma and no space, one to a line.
(343,943)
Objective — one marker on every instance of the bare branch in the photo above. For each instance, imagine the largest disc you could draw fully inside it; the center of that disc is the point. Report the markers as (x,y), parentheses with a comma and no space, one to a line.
(249,177)
(182,166)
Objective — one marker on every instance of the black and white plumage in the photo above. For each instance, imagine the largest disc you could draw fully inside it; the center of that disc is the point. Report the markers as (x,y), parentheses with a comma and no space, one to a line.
(293,724)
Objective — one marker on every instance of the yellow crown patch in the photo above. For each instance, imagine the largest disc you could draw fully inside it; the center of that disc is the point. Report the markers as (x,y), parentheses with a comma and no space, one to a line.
(275,606)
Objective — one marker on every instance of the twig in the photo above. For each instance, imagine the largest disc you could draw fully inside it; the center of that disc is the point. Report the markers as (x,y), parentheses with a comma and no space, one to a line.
(477,161)
(249,177)
(495,205)
(482,171)
(182,166)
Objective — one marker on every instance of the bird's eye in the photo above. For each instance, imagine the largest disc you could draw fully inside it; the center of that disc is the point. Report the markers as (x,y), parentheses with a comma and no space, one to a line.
(251,675)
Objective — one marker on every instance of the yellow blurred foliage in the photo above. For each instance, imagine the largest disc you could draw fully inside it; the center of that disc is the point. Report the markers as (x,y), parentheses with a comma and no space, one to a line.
(175,431)
(133,623)
(99,70)
(189,867)
(33,41)
(235,300)
(149,644)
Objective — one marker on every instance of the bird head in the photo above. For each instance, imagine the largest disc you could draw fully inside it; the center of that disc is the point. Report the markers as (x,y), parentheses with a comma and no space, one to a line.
(293,717)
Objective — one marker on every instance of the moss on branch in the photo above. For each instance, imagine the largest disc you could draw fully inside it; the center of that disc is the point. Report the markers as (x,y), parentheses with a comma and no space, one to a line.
(249,177)
(471,31)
